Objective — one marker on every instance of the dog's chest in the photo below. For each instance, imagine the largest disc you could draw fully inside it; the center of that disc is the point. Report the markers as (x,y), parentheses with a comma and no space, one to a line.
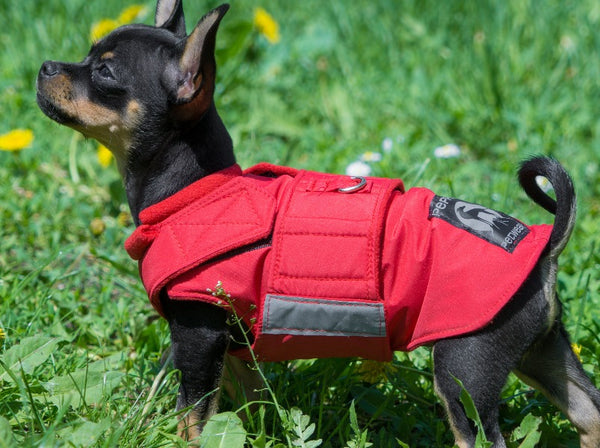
(315,271)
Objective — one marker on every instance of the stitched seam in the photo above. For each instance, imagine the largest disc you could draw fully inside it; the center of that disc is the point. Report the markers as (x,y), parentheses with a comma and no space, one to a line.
(234,192)
(283,275)
(322,279)
(201,204)
(331,234)
(331,302)
(280,225)
(371,250)
(174,236)
(380,212)
(328,218)
(222,223)
(342,333)
(252,205)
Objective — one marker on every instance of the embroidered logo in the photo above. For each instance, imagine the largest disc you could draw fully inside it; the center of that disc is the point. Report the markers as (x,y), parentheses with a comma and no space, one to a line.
(490,225)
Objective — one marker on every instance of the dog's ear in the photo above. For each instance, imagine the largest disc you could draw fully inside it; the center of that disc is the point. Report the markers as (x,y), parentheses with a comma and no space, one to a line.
(169,15)
(197,67)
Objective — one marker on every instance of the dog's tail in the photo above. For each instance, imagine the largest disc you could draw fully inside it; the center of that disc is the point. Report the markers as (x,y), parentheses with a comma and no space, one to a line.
(564,207)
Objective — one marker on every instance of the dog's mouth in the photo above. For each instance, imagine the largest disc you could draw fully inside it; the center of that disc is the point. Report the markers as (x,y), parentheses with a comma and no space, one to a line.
(53,111)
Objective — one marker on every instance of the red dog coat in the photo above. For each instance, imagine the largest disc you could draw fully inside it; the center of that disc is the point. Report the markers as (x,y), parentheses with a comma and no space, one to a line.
(321,265)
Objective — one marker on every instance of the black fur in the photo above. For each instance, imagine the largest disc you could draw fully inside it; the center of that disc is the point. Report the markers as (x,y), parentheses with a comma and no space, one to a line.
(147,93)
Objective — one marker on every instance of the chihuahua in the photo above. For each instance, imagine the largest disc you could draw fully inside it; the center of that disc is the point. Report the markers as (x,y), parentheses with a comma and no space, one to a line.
(314,265)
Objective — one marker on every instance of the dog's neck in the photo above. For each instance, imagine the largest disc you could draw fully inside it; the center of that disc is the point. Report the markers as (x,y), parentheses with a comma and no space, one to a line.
(157,170)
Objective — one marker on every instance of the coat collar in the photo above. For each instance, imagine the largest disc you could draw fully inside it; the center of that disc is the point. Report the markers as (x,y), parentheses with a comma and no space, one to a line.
(161,210)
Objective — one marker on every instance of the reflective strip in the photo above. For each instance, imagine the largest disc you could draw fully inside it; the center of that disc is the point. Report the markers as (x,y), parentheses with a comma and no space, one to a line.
(317,317)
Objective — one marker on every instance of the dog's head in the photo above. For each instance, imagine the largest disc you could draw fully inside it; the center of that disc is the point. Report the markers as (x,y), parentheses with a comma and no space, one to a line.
(137,83)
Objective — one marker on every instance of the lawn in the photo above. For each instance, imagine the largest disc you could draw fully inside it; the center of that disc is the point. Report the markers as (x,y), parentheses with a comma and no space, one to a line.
(381,82)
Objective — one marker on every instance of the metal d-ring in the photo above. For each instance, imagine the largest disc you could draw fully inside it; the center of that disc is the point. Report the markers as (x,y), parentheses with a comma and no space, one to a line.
(362,182)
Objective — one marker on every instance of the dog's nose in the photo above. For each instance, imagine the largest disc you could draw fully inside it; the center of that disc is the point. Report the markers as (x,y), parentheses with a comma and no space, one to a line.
(49,69)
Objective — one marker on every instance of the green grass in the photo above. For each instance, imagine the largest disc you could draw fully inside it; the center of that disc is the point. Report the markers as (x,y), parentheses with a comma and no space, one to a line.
(502,79)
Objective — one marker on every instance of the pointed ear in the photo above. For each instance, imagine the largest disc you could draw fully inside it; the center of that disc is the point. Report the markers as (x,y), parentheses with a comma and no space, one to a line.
(169,15)
(197,67)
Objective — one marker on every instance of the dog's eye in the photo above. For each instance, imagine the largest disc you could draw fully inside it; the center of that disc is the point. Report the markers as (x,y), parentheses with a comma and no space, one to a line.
(106,81)
(106,73)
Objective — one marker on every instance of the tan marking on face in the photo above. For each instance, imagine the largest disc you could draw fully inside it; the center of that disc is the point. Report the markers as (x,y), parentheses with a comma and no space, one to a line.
(95,115)
(109,127)
(107,55)
(134,112)
(113,128)
(59,90)
(101,123)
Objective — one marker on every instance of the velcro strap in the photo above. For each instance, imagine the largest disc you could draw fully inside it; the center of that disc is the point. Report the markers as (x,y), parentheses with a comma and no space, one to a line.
(236,215)
(327,244)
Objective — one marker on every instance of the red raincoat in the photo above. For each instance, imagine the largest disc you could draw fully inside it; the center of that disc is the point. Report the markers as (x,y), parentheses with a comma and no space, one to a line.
(315,270)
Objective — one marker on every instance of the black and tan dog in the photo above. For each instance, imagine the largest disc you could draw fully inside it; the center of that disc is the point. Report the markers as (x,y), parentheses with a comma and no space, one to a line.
(147,94)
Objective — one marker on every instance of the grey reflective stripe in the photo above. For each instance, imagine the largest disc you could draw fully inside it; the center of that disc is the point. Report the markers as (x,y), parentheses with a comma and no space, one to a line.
(318,317)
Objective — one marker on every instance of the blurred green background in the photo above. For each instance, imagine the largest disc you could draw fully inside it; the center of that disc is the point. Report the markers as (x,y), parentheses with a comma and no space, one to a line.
(381,82)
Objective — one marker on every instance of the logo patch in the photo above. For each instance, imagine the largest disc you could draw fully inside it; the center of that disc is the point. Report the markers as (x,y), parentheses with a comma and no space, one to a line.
(490,225)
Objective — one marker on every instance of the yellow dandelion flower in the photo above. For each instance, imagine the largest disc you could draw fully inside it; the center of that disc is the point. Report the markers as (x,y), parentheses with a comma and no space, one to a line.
(2,334)
(132,13)
(102,28)
(105,26)
(577,350)
(104,156)
(97,226)
(375,371)
(16,140)
(266,25)
(124,219)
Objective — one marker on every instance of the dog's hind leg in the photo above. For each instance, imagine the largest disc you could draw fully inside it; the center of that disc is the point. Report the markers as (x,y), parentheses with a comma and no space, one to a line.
(471,360)
(483,360)
(551,367)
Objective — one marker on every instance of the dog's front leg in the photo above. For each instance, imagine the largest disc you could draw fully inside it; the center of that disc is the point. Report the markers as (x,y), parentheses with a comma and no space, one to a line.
(199,338)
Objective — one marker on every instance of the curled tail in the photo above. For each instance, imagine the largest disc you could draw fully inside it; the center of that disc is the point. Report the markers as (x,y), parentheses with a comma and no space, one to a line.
(564,207)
